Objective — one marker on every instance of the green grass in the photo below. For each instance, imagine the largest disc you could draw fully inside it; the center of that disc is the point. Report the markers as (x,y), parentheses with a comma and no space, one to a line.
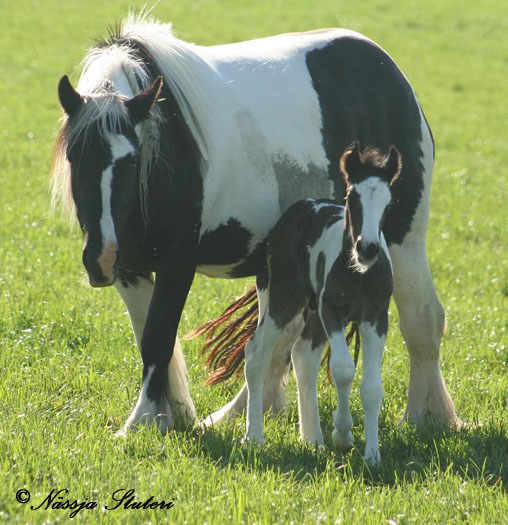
(69,368)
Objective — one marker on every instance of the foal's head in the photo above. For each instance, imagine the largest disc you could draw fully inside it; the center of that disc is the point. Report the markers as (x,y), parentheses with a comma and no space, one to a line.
(369,176)
(102,141)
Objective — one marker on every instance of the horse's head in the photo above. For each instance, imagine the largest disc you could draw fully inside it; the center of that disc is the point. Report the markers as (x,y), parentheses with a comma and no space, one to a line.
(369,177)
(103,150)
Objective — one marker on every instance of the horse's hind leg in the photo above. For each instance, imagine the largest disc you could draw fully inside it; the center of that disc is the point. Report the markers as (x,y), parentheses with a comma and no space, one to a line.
(422,318)
(275,380)
(422,322)
(137,297)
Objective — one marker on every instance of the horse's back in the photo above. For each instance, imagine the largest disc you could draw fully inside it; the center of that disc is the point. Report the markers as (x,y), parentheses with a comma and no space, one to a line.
(287,108)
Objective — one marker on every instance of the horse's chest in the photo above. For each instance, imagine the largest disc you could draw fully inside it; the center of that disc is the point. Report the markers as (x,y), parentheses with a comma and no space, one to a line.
(359,297)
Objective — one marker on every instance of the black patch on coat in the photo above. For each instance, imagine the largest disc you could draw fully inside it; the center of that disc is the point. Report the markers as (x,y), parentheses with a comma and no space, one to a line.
(253,264)
(313,330)
(364,97)
(88,160)
(227,244)
(288,246)
(360,297)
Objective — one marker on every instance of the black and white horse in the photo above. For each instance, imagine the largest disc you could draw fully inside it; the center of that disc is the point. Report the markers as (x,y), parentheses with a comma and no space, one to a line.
(328,265)
(190,172)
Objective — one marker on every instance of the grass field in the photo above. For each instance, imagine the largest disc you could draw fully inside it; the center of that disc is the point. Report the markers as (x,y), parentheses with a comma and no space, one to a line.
(69,367)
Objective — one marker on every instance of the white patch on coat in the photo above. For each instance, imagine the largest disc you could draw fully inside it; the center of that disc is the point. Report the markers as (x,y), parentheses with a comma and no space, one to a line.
(254,119)
(330,243)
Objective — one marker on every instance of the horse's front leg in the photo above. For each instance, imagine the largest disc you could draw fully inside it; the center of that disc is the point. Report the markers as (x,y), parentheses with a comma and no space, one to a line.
(342,369)
(373,338)
(164,396)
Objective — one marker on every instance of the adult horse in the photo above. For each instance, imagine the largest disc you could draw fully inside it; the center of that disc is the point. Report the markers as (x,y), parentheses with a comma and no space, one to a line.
(180,158)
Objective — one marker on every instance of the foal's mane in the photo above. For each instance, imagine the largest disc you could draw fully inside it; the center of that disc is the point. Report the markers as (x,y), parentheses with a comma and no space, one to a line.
(182,69)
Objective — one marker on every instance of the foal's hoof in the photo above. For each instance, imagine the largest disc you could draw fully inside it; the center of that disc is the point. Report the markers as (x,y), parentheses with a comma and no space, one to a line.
(257,441)
(372,457)
(342,438)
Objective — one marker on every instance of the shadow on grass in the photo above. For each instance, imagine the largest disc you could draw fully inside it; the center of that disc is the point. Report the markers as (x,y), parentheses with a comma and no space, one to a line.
(408,454)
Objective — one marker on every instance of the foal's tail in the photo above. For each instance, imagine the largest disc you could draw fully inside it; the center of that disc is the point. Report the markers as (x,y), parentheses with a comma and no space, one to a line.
(354,331)
(226,348)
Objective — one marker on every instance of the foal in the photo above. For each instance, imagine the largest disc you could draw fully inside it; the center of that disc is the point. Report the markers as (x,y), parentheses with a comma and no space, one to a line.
(329,265)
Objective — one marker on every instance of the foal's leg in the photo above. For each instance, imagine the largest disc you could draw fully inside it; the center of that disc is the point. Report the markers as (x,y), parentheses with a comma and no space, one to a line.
(257,360)
(421,314)
(306,356)
(137,299)
(342,368)
(372,387)
(275,380)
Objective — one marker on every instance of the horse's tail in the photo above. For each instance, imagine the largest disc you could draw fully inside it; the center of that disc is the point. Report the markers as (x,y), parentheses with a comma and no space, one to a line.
(179,387)
(353,331)
(226,347)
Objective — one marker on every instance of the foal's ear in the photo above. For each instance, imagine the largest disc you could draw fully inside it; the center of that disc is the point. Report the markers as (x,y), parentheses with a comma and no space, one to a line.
(350,161)
(393,164)
(70,99)
(139,107)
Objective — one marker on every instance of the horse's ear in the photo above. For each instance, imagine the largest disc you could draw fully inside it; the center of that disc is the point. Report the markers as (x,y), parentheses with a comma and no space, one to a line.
(393,164)
(70,99)
(350,161)
(139,107)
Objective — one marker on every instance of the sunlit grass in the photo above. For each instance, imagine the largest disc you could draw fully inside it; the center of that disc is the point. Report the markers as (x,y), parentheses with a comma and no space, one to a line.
(70,371)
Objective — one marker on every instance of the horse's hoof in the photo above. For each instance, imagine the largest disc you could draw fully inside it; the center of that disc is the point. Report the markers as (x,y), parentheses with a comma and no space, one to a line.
(315,442)
(342,438)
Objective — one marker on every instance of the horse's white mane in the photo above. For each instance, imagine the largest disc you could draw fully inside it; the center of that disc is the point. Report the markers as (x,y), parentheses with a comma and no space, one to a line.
(183,71)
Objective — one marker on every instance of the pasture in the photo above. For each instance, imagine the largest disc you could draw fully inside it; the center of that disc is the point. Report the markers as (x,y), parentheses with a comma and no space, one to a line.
(69,366)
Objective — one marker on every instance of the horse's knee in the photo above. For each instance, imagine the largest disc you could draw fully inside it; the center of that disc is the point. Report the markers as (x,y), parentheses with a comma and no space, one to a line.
(342,372)
(423,329)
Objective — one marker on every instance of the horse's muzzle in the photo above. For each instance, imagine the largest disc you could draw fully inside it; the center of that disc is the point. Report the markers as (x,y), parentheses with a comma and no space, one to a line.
(100,267)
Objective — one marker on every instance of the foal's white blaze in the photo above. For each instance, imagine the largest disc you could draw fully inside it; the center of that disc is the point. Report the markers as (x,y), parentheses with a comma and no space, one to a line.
(120,147)
(375,196)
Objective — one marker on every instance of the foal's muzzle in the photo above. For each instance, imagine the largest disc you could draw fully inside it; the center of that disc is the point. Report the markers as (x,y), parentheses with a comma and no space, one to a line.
(367,251)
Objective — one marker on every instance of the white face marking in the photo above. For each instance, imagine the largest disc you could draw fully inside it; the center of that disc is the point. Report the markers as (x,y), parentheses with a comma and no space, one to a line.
(120,147)
(374,196)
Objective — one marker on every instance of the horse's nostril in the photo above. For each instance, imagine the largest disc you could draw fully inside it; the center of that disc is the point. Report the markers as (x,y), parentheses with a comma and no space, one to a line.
(371,250)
